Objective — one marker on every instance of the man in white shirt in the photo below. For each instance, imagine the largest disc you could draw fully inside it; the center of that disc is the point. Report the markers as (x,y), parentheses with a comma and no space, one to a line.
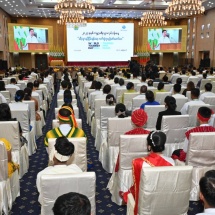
(60,154)
(97,91)
(163,39)
(177,91)
(30,38)
(121,85)
(64,85)
(207,192)
(208,88)
(114,86)
(194,101)
(12,84)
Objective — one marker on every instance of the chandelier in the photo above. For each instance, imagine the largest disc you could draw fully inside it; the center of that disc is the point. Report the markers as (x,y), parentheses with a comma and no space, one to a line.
(71,11)
(74,5)
(184,8)
(152,18)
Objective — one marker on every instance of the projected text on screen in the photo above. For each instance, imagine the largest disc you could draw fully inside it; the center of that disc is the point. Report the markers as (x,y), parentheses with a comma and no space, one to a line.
(100,42)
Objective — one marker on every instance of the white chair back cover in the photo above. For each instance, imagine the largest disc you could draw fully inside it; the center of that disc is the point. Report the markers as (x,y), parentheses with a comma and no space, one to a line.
(194,80)
(152,112)
(106,112)
(201,155)
(137,102)
(76,112)
(203,82)
(22,115)
(209,100)
(83,183)
(155,84)
(188,95)
(175,132)
(201,149)
(12,92)
(0,100)
(128,100)
(60,102)
(3,163)
(192,112)
(119,93)
(131,147)
(168,192)
(80,155)
(160,96)
(117,127)
(31,105)
(180,102)
(6,94)
(184,79)
(37,97)
(98,104)
(55,123)
(168,87)
(139,86)
(22,85)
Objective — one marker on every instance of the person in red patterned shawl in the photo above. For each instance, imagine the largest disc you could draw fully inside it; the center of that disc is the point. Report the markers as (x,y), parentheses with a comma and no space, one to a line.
(138,118)
(156,145)
(203,116)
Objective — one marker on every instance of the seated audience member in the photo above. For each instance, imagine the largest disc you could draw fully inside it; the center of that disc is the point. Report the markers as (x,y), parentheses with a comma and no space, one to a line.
(150,84)
(170,104)
(28,97)
(194,101)
(157,77)
(64,85)
(138,118)
(150,99)
(130,89)
(110,100)
(97,91)
(120,110)
(72,204)
(208,88)
(177,91)
(12,167)
(93,85)
(207,192)
(60,154)
(174,76)
(121,86)
(12,84)
(2,86)
(67,97)
(68,126)
(165,79)
(106,91)
(34,93)
(204,76)
(190,86)
(156,145)
(143,90)
(203,116)
(143,81)
(160,88)
(5,115)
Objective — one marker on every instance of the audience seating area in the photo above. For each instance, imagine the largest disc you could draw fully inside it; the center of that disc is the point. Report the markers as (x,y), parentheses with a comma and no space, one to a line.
(104,147)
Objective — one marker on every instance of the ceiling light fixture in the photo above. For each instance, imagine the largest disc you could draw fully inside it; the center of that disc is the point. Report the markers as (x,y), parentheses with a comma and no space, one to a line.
(71,11)
(184,8)
(152,18)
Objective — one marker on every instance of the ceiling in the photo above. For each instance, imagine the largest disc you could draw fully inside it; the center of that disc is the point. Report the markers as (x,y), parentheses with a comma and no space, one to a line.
(104,8)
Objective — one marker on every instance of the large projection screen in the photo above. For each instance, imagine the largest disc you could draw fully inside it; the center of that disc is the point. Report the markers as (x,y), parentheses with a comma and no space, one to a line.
(100,42)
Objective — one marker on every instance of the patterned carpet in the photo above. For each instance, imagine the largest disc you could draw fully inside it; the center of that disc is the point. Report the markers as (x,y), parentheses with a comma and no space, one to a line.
(27,203)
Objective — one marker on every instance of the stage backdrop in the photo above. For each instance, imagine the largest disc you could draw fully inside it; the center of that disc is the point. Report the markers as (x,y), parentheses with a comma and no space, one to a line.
(100,42)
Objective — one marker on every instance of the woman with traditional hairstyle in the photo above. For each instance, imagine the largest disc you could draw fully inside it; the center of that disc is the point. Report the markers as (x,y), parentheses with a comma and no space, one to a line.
(120,110)
(68,126)
(110,100)
(156,145)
